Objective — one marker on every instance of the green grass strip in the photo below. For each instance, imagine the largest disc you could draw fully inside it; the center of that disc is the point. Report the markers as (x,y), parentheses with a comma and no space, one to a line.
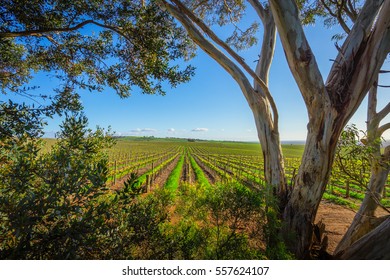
(340,201)
(173,180)
(199,173)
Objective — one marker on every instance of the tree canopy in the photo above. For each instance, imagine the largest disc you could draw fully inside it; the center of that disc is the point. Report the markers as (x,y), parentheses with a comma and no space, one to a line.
(91,45)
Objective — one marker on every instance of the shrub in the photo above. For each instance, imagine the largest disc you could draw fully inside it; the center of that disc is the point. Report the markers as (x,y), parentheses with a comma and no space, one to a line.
(47,201)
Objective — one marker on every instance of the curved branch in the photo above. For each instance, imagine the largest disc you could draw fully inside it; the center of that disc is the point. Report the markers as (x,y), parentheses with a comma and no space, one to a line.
(383,128)
(258,8)
(182,8)
(384,112)
(41,32)
(210,49)
(337,16)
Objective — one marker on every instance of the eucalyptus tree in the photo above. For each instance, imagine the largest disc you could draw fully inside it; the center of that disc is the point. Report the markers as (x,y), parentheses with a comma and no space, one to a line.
(329,104)
(346,13)
(53,205)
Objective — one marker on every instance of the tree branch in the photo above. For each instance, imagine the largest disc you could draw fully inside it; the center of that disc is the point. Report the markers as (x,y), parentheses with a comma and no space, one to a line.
(337,16)
(340,17)
(361,56)
(374,245)
(383,128)
(384,112)
(299,55)
(360,30)
(41,32)
(372,104)
(210,49)
(258,8)
(350,11)
(232,53)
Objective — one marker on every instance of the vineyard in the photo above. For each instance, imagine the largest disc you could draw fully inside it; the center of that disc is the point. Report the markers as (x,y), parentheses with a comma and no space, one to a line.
(166,163)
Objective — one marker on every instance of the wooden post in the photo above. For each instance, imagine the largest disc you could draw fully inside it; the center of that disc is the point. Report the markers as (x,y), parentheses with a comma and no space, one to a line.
(152,175)
(114,172)
(189,173)
(347,191)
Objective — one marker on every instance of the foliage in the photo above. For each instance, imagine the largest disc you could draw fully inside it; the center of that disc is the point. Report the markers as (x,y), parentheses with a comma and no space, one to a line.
(353,157)
(49,203)
(332,13)
(227,13)
(226,221)
(91,45)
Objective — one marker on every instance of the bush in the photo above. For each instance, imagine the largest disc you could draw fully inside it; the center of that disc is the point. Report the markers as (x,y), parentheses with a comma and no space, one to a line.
(48,201)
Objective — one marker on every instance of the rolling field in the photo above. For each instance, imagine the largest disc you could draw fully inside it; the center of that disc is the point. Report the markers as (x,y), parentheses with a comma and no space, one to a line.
(169,163)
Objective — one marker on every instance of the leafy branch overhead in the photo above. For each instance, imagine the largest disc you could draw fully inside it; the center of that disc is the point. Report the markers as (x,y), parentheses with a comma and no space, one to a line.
(92,45)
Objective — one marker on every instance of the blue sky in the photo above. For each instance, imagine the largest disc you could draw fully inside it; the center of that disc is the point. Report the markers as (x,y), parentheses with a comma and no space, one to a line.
(211,105)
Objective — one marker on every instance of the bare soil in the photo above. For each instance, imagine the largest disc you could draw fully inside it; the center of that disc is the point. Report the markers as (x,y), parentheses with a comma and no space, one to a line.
(337,219)
(163,175)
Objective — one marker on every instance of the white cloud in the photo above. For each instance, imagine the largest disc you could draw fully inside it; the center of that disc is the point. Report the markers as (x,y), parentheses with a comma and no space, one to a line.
(171,130)
(200,129)
(140,130)
(148,130)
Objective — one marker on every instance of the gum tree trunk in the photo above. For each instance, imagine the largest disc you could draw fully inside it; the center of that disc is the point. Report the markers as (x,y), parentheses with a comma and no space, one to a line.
(309,185)
(330,105)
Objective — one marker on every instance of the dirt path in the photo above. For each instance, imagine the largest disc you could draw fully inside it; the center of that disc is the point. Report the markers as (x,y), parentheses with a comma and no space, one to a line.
(337,219)
(162,177)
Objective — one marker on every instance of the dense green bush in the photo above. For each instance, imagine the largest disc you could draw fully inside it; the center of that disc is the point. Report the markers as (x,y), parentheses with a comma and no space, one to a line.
(48,201)
(225,221)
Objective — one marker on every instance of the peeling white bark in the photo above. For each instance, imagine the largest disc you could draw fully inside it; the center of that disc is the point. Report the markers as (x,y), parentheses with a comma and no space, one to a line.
(329,107)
